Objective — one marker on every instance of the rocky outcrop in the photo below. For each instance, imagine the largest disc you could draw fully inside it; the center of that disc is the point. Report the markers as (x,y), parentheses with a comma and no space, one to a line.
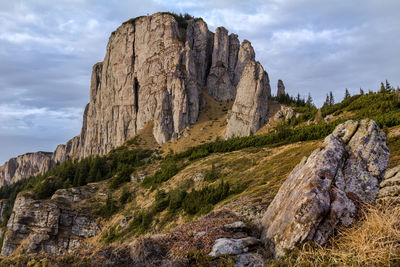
(324,191)
(50,226)
(249,111)
(281,88)
(24,166)
(285,113)
(390,187)
(154,71)
(3,209)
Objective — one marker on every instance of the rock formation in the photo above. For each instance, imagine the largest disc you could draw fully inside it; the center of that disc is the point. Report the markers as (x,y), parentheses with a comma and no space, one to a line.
(3,208)
(324,191)
(249,111)
(281,88)
(390,187)
(154,71)
(24,166)
(50,226)
(285,113)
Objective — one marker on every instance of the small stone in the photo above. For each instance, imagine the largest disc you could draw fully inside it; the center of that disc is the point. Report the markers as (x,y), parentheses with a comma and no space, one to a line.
(223,246)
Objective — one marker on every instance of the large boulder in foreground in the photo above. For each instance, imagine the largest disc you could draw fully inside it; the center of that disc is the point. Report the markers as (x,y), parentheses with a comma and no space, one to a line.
(325,190)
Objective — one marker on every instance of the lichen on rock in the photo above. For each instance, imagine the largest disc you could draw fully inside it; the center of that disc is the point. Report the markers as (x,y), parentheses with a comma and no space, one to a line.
(324,190)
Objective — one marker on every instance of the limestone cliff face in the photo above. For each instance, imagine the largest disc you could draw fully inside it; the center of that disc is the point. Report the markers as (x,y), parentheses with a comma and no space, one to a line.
(24,166)
(249,111)
(154,71)
(52,225)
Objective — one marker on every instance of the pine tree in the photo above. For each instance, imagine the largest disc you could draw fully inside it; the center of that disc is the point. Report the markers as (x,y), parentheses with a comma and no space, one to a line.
(388,87)
(326,103)
(309,100)
(361,91)
(383,88)
(331,99)
(346,94)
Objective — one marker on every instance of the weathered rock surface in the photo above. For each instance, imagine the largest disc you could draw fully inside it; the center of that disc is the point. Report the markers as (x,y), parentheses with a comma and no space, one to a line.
(281,88)
(390,187)
(50,226)
(249,260)
(154,72)
(3,208)
(323,191)
(249,111)
(285,113)
(232,246)
(24,166)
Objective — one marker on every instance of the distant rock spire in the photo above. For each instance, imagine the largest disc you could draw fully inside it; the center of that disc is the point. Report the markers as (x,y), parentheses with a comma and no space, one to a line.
(281,88)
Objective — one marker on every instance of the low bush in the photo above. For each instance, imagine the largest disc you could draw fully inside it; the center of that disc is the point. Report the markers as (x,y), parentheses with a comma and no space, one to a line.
(168,169)
(126,196)
(108,209)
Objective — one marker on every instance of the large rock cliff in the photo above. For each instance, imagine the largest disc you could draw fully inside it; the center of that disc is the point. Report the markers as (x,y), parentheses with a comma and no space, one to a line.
(155,71)
(55,226)
(24,166)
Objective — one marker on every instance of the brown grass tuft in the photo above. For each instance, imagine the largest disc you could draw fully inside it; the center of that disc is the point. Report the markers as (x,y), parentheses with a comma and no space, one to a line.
(374,241)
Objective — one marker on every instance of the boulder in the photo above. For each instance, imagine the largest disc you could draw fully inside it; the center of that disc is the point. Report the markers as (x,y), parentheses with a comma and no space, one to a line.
(230,246)
(50,225)
(325,189)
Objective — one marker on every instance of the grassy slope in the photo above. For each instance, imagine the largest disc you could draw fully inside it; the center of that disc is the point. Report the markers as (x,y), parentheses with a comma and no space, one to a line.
(258,169)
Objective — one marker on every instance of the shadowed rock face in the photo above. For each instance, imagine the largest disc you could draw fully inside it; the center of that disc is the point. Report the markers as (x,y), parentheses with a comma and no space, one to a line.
(323,191)
(24,166)
(49,226)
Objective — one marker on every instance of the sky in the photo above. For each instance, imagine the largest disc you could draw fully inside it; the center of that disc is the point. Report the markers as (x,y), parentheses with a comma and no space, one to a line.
(47,50)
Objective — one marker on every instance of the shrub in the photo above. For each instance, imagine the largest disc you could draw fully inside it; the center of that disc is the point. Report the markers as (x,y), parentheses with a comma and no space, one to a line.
(141,222)
(126,196)
(196,201)
(108,209)
(161,201)
(212,174)
(110,236)
(168,169)
(176,198)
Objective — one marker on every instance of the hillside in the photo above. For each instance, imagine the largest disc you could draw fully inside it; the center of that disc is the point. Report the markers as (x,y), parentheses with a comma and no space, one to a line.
(198,165)
(245,173)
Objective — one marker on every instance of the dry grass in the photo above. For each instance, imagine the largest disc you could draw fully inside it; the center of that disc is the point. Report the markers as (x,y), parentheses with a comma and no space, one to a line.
(374,241)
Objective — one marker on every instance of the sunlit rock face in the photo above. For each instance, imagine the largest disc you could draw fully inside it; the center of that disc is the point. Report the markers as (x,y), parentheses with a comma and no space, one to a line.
(325,190)
(155,71)
(24,166)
